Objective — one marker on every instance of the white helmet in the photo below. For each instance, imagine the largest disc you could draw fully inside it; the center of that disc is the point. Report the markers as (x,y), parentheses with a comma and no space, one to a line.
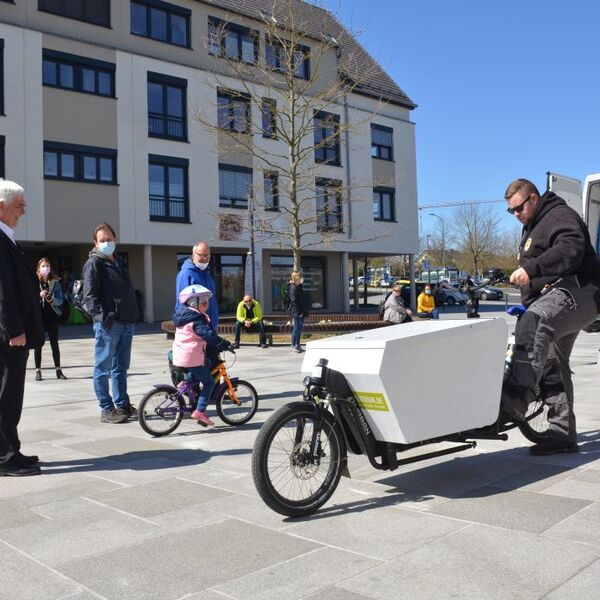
(194,291)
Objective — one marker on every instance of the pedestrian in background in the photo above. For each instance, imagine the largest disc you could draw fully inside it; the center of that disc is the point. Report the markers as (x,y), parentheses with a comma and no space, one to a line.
(51,302)
(426,304)
(394,309)
(109,298)
(298,307)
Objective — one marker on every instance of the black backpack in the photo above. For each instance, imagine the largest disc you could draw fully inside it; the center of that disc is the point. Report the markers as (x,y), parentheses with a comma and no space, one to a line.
(77,300)
(285,294)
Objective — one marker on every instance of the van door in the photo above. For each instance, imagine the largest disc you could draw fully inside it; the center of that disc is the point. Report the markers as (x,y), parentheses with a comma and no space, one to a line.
(567,188)
(591,207)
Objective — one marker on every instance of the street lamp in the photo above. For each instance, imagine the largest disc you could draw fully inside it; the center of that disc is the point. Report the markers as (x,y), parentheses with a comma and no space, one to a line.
(443,241)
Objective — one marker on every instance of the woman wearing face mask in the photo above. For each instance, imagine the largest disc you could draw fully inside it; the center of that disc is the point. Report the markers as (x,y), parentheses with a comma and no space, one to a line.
(298,306)
(426,305)
(109,298)
(51,299)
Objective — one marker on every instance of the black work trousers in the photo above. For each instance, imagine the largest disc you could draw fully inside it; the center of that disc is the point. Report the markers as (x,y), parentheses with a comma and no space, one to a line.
(13,362)
(50,320)
(544,339)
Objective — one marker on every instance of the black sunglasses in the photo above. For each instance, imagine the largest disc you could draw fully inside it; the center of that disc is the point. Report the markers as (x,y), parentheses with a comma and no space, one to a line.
(520,208)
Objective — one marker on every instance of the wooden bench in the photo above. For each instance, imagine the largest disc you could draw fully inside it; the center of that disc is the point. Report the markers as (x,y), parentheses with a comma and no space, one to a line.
(282,324)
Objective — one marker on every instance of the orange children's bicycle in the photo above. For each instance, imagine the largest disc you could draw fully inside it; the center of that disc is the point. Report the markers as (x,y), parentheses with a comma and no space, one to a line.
(163,408)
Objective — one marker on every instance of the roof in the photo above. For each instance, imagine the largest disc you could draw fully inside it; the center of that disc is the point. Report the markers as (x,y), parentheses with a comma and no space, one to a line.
(356,64)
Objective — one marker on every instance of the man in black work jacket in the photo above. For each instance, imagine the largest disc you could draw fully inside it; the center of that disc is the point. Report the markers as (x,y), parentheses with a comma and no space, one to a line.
(559,277)
(20,330)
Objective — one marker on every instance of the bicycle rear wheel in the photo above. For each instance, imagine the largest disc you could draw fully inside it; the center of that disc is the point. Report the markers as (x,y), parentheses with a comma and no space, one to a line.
(536,426)
(233,413)
(296,470)
(160,412)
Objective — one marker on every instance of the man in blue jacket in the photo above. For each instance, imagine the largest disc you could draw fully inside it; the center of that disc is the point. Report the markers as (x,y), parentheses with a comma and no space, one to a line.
(195,271)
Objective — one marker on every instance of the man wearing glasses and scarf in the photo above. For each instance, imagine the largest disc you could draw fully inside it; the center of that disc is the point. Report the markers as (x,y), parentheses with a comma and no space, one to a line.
(559,277)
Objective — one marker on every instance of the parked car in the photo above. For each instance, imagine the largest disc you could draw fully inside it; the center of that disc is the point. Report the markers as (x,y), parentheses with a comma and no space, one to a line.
(449,296)
(489,293)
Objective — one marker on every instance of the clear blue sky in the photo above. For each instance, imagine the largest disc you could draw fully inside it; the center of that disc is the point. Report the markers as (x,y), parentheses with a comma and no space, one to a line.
(505,89)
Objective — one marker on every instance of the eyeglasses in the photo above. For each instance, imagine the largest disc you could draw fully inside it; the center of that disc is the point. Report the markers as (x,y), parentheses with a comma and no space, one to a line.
(520,208)
(201,255)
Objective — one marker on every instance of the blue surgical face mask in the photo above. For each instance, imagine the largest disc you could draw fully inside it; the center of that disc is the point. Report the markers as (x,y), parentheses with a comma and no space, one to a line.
(107,248)
(428,292)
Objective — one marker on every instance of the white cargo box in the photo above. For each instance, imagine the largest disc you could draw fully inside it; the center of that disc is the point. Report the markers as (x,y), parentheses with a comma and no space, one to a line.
(421,380)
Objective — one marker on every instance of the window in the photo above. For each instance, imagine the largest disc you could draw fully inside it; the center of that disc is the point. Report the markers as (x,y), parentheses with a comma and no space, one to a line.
(167,107)
(72,162)
(161,21)
(78,73)
(96,12)
(384,204)
(235,185)
(232,41)
(271,190)
(233,111)
(2,77)
(314,272)
(277,58)
(382,144)
(268,110)
(327,138)
(168,186)
(2,157)
(329,205)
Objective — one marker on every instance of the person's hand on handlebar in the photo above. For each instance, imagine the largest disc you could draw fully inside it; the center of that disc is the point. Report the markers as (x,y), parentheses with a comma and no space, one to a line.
(230,348)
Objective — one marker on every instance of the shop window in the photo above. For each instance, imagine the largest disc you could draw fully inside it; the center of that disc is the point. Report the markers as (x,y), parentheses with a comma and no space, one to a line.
(314,273)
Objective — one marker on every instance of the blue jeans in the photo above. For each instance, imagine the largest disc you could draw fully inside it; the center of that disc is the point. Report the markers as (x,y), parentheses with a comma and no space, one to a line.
(297,324)
(112,358)
(202,375)
(434,314)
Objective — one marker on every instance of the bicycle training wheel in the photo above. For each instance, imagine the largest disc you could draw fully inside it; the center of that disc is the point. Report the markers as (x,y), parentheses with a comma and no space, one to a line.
(535,427)
(296,471)
(233,413)
(160,412)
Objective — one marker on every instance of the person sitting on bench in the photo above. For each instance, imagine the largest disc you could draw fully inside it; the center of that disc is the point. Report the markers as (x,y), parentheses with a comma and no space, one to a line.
(249,315)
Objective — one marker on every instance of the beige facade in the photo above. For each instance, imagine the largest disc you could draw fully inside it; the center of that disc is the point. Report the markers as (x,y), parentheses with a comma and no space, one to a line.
(62,213)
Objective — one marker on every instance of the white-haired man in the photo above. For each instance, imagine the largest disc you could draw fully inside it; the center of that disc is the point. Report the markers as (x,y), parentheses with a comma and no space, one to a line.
(20,330)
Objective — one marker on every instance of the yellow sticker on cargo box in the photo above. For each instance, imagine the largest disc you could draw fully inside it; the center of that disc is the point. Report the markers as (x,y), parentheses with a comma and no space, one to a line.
(372,401)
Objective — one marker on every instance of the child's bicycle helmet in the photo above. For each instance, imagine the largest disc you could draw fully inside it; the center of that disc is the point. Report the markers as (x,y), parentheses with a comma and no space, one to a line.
(194,291)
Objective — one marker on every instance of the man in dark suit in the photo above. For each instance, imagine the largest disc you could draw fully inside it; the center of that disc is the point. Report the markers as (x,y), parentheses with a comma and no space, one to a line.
(20,330)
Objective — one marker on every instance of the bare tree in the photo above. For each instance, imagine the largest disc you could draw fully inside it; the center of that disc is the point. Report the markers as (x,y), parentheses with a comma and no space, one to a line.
(474,232)
(295,93)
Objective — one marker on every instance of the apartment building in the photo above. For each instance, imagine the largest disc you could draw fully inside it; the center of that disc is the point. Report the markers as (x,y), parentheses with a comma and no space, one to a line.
(105,113)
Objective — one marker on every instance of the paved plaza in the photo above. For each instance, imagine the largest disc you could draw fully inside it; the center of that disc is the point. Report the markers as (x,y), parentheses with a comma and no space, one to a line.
(117,514)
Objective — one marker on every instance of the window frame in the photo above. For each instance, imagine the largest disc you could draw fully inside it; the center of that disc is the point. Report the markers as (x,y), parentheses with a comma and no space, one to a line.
(380,190)
(3,156)
(239,31)
(272,176)
(277,47)
(333,145)
(78,63)
(170,10)
(166,162)
(2,78)
(46,6)
(234,96)
(268,113)
(167,81)
(79,153)
(325,212)
(241,203)
(378,147)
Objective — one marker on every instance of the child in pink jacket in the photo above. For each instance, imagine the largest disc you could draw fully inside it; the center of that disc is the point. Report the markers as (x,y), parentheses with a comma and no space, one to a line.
(194,332)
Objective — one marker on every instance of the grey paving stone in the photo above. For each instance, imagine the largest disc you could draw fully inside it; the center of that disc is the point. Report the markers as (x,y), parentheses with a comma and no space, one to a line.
(13,515)
(319,569)
(43,435)
(380,532)
(537,477)
(25,579)
(336,593)
(582,484)
(479,563)
(584,584)
(167,495)
(64,508)
(581,527)
(75,537)
(512,509)
(213,555)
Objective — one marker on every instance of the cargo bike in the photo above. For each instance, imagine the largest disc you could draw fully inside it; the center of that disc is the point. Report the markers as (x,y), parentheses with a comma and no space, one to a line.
(383,392)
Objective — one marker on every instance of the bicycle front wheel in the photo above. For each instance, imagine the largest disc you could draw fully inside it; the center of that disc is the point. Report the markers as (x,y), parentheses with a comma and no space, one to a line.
(160,412)
(240,412)
(536,426)
(295,468)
